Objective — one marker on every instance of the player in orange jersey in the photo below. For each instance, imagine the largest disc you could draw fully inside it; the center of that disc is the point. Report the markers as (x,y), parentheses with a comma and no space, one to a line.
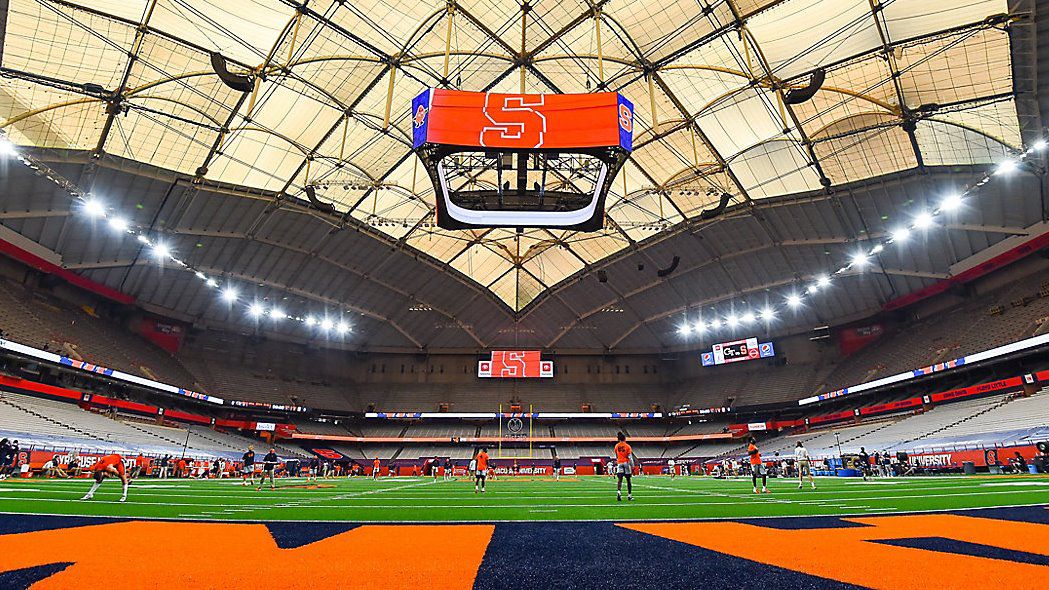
(757,467)
(624,467)
(376,465)
(108,466)
(481,470)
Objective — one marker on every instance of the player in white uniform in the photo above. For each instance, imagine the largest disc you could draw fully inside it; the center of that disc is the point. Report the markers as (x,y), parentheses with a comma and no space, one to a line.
(673,468)
(801,455)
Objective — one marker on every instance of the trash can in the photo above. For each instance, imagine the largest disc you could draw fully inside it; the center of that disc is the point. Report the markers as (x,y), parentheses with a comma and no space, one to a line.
(969,468)
(1033,469)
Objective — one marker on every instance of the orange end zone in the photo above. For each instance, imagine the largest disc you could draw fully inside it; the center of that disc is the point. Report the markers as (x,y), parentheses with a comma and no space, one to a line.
(997,548)
(854,555)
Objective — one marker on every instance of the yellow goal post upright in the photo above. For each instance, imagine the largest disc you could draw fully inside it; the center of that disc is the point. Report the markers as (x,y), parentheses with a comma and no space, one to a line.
(515,430)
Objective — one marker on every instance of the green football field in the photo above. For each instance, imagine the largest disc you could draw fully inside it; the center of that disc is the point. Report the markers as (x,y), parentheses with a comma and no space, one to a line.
(409,499)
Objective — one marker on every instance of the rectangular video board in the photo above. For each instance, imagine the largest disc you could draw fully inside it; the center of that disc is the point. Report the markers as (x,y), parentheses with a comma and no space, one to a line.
(747,349)
(515,364)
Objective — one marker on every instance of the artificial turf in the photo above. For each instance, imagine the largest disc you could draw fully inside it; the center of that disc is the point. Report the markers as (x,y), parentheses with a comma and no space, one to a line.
(409,499)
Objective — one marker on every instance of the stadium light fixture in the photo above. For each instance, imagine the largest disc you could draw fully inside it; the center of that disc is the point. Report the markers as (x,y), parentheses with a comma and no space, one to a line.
(901,234)
(812,290)
(1005,167)
(161,250)
(877,249)
(211,283)
(767,314)
(700,327)
(823,281)
(94,208)
(256,310)
(229,294)
(859,260)
(143,239)
(747,318)
(342,328)
(923,220)
(685,329)
(951,202)
(7,148)
(715,323)
(311,321)
(794,300)
(327,324)
(732,320)
(276,314)
(118,224)
(1039,145)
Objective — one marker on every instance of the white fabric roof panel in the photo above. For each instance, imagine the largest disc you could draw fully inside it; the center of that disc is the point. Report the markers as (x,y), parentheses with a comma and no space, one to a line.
(317,116)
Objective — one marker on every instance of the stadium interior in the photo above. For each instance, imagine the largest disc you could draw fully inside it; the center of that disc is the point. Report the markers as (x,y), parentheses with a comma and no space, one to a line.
(224,225)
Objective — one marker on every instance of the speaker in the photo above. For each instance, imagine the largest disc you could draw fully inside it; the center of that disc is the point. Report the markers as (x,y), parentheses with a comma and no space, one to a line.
(800,95)
(238,82)
(663,272)
(311,194)
(602,276)
(1043,447)
(717,210)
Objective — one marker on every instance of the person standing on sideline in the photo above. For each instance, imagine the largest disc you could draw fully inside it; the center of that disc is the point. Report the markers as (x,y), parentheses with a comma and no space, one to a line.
(757,467)
(269,466)
(481,470)
(864,461)
(247,466)
(804,461)
(624,467)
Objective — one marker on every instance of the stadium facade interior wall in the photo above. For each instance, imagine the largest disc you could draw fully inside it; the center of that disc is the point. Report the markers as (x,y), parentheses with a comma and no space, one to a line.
(339,385)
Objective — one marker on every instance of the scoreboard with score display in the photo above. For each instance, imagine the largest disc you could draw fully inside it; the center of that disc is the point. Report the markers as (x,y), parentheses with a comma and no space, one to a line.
(747,349)
(515,364)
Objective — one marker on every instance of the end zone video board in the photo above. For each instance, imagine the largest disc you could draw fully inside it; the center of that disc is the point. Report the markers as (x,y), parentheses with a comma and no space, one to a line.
(747,349)
(515,364)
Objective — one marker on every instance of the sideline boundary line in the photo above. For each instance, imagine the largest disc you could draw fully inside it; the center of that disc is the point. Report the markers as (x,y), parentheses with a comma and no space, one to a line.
(529,521)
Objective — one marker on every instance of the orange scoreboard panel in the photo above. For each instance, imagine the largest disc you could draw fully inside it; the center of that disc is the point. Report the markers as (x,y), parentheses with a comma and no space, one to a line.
(523,121)
(515,364)
(521,160)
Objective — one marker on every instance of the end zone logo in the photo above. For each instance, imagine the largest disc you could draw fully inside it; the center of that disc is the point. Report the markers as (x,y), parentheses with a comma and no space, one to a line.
(420,116)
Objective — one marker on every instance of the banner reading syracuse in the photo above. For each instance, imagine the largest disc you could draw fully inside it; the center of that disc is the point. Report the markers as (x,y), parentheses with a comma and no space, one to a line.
(522,121)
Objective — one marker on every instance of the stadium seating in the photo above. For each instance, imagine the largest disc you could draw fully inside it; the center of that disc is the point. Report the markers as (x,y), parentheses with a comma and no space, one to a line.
(1017,417)
(43,423)
(573,428)
(1010,313)
(35,319)
(744,386)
